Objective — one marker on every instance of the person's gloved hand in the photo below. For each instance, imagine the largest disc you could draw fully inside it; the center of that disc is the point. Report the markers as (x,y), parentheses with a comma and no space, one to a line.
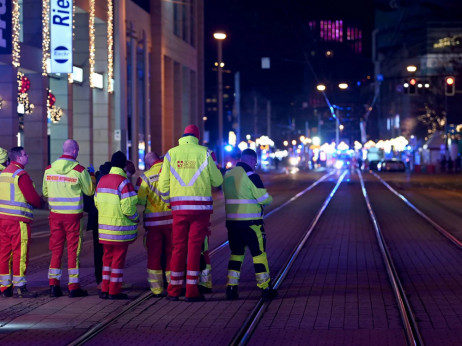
(91,169)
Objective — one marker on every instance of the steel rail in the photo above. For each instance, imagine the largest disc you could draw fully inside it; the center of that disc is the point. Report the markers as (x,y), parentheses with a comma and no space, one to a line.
(410,325)
(440,229)
(98,328)
(245,332)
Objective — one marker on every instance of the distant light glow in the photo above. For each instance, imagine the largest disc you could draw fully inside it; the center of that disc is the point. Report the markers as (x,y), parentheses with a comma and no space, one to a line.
(343,86)
(219,36)
(316,141)
(321,87)
(411,68)
(228,148)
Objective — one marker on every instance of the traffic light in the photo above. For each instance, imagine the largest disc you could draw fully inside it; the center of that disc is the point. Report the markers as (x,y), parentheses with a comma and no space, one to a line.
(412,86)
(449,86)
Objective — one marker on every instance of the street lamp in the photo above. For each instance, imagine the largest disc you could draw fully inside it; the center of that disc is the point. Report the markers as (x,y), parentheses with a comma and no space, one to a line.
(219,36)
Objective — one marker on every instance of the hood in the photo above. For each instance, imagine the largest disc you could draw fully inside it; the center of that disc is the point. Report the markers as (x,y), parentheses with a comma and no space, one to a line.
(64,165)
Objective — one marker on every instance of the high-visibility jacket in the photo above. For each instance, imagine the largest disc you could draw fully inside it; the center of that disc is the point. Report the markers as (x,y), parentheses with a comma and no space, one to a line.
(64,183)
(157,211)
(188,174)
(116,200)
(2,167)
(243,200)
(13,204)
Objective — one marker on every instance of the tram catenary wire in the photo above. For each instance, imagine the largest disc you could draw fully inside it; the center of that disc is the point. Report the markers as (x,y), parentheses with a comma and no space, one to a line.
(410,326)
(95,330)
(248,327)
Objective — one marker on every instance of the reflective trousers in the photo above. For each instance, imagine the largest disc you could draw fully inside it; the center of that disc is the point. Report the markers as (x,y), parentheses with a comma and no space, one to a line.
(62,229)
(14,253)
(113,267)
(158,242)
(251,234)
(188,236)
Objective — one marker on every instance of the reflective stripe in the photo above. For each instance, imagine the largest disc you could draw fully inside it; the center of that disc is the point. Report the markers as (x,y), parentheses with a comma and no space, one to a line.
(73,280)
(117,228)
(106,277)
(63,199)
(199,171)
(17,204)
(249,173)
(158,223)
(117,271)
(54,271)
(262,198)
(73,271)
(241,201)
(176,282)
(191,198)
(192,282)
(234,274)
(177,273)
(66,207)
(193,273)
(133,217)
(233,281)
(262,277)
(17,212)
(106,190)
(240,216)
(115,279)
(108,269)
(161,213)
(5,280)
(122,185)
(16,172)
(105,236)
(127,194)
(192,207)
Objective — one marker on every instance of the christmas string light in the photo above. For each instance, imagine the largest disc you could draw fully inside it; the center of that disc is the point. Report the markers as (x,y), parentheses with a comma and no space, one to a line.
(110,46)
(15,36)
(45,35)
(91,31)
(54,113)
(23,95)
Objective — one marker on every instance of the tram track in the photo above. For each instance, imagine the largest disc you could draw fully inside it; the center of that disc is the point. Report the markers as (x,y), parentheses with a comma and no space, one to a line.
(104,324)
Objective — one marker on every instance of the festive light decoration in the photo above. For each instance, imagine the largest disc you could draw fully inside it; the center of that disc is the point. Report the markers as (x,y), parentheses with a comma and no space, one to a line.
(23,97)
(54,113)
(91,31)
(45,35)
(69,75)
(15,36)
(110,46)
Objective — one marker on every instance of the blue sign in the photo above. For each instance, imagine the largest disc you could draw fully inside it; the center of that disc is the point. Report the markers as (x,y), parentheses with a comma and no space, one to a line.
(6,24)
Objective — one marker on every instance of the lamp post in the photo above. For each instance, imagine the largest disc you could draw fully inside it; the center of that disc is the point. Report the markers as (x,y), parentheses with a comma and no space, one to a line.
(219,36)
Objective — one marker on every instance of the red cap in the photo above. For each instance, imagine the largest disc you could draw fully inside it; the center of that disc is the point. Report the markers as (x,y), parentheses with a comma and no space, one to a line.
(192,130)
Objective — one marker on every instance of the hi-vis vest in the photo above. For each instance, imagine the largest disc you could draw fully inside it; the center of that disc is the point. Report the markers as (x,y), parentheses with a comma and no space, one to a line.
(13,205)
(188,174)
(243,200)
(116,201)
(64,182)
(157,212)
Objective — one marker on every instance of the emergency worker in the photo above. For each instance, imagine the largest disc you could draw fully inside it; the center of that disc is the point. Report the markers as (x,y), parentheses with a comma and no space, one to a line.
(158,221)
(64,183)
(205,276)
(245,197)
(188,174)
(3,159)
(115,200)
(18,198)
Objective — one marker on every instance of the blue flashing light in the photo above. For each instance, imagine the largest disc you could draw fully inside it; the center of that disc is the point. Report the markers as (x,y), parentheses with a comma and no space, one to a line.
(228,148)
(380,77)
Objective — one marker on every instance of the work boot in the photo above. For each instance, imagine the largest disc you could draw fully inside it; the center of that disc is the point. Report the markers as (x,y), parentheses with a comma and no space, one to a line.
(199,298)
(119,296)
(232,292)
(8,292)
(22,292)
(104,295)
(159,295)
(78,292)
(55,291)
(204,290)
(268,294)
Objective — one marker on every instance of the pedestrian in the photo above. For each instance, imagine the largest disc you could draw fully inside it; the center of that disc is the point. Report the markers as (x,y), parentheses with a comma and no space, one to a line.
(245,197)
(116,201)
(157,224)
(188,174)
(3,159)
(18,198)
(92,224)
(129,169)
(64,183)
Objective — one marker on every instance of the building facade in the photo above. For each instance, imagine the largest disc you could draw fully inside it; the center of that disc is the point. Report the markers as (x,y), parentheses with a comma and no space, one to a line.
(136,81)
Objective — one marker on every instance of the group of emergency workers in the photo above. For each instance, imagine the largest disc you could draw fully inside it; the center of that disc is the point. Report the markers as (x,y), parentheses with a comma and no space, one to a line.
(176,193)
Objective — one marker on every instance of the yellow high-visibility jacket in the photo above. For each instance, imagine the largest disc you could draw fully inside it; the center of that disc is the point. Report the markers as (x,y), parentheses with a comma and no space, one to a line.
(187,176)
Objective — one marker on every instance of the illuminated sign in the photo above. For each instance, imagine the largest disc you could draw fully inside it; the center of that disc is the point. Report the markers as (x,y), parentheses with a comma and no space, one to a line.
(61,36)
(6,24)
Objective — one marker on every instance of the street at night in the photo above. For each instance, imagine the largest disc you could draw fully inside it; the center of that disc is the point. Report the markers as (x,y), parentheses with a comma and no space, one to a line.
(336,290)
